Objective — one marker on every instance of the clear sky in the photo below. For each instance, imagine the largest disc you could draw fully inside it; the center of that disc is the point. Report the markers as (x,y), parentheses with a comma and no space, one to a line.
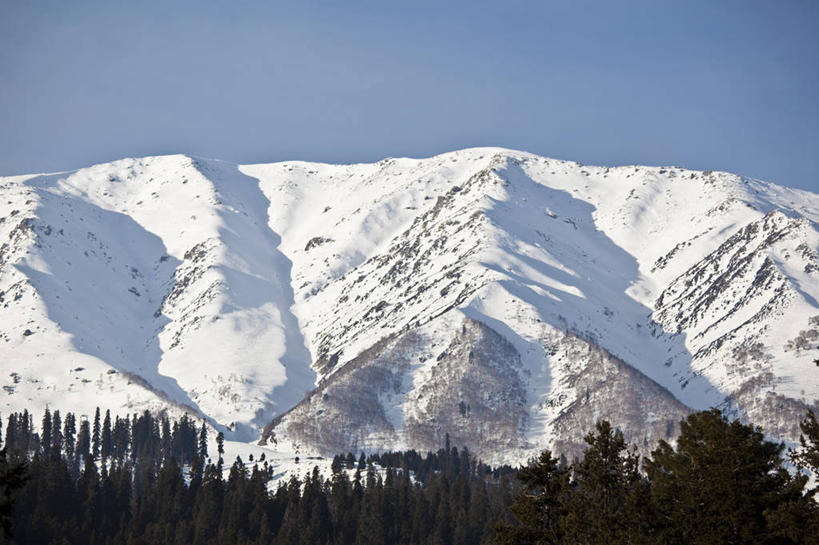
(721,85)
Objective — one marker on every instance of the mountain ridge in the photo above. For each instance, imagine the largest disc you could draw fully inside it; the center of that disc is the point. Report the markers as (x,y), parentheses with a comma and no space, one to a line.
(241,291)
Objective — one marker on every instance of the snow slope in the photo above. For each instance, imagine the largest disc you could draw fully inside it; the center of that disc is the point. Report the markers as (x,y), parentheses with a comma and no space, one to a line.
(504,298)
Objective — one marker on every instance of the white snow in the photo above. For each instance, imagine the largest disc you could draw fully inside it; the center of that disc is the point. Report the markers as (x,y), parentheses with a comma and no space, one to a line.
(210,287)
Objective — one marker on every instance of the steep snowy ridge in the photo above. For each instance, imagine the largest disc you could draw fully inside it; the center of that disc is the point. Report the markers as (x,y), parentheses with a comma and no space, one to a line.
(152,268)
(504,298)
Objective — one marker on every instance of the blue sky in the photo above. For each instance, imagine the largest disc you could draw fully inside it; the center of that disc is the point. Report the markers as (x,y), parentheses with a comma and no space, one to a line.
(727,85)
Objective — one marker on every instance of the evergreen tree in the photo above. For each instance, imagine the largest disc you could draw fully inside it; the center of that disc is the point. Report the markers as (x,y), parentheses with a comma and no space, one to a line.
(604,482)
(106,443)
(45,436)
(120,437)
(203,442)
(220,446)
(83,449)
(56,433)
(601,498)
(539,506)
(798,519)
(29,440)
(338,463)
(11,428)
(719,482)
(13,475)
(95,435)
(442,529)
(808,457)
(166,437)
(70,434)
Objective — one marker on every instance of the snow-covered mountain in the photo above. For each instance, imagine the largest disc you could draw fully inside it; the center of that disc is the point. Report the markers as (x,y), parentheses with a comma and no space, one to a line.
(507,299)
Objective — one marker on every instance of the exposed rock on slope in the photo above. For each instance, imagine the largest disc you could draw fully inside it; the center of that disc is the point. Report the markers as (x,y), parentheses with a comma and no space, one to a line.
(398,393)
(506,299)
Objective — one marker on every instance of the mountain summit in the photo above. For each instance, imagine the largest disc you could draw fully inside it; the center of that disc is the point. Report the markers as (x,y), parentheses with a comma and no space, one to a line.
(505,299)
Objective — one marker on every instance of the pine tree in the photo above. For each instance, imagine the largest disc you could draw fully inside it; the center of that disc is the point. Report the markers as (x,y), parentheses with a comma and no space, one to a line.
(13,475)
(83,449)
(11,427)
(808,457)
(600,499)
(220,447)
(120,437)
(798,519)
(370,523)
(95,436)
(338,464)
(539,506)
(106,443)
(603,482)
(203,442)
(70,434)
(166,437)
(442,528)
(45,437)
(342,507)
(56,433)
(718,483)
(30,440)
(319,525)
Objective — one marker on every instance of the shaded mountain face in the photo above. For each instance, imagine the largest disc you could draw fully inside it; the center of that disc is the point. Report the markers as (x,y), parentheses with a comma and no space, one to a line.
(505,299)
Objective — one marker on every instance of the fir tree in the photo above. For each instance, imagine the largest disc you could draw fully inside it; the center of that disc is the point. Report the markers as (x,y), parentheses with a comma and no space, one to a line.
(56,433)
(808,457)
(106,443)
(539,507)
(718,483)
(599,499)
(603,483)
(95,435)
(11,434)
(220,446)
(70,434)
(45,436)
(83,449)
(13,475)
(203,442)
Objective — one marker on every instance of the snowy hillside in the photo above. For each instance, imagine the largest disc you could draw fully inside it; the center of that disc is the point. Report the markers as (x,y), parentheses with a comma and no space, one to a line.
(504,298)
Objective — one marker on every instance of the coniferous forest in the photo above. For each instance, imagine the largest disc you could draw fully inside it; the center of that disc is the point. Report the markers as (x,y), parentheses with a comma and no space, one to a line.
(144,479)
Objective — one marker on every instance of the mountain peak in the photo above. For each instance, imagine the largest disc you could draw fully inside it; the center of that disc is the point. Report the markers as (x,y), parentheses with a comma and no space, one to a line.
(232,291)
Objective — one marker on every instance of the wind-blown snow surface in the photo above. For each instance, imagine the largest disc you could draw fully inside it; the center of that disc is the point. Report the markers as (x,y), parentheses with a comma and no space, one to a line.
(504,298)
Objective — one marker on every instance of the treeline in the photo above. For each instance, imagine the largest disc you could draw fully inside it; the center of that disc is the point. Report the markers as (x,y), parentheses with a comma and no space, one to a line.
(142,437)
(722,483)
(144,479)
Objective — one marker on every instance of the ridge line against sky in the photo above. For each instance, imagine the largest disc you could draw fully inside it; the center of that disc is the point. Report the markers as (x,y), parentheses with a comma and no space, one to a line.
(720,86)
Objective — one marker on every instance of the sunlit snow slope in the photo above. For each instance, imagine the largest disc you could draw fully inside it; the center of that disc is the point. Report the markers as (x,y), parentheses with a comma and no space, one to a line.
(506,299)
